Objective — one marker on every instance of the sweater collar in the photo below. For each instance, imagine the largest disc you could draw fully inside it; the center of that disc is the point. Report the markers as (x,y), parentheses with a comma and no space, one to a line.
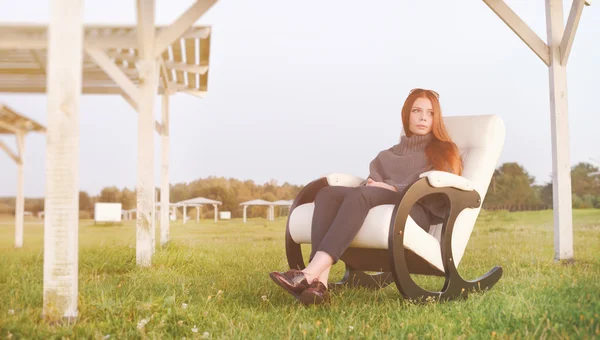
(413,143)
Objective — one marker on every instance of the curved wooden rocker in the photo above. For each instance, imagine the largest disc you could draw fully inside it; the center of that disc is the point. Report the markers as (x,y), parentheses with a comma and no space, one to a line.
(391,244)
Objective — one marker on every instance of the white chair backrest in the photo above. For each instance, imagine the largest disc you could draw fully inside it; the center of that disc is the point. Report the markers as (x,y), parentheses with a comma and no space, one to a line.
(480,140)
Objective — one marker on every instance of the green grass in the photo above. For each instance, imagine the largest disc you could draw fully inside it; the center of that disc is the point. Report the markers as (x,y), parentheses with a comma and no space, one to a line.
(220,272)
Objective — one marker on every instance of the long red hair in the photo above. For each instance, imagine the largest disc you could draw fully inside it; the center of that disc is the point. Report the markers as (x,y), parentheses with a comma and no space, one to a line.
(442,153)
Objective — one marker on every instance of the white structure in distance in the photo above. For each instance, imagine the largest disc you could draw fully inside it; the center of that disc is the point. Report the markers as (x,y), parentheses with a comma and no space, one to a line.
(107,212)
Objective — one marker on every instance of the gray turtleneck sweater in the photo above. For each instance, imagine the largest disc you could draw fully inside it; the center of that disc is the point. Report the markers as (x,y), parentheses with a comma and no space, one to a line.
(401,165)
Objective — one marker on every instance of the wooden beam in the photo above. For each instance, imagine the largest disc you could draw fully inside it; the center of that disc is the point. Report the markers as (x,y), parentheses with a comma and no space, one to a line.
(199,69)
(94,89)
(38,58)
(157,125)
(26,42)
(148,68)
(559,119)
(105,42)
(164,174)
(20,199)
(123,56)
(164,75)
(25,88)
(517,25)
(204,60)
(10,153)
(21,144)
(167,36)
(195,93)
(23,42)
(114,72)
(570,30)
(61,223)
(197,33)
(9,127)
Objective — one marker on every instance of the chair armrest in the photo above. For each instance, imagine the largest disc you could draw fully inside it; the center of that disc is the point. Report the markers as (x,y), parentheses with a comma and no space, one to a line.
(442,179)
(345,180)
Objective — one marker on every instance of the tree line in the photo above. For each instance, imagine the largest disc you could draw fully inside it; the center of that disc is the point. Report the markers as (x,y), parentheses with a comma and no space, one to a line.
(511,188)
(231,192)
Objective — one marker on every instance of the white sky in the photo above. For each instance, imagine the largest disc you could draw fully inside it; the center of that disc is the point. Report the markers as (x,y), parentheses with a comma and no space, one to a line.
(299,89)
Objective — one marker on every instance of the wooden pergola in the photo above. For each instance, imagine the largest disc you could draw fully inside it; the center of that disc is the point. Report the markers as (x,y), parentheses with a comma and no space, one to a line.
(12,123)
(137,62)
(198,202)
(270,210)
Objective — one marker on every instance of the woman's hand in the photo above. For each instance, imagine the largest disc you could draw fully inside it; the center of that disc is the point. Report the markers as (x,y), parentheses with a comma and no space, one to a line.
(372,183)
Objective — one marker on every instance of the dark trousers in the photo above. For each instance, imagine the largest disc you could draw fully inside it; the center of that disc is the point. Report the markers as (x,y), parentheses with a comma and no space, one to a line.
(341,211)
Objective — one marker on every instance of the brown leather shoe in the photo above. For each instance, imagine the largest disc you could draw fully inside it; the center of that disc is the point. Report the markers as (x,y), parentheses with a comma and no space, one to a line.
(293,281)
(315,294)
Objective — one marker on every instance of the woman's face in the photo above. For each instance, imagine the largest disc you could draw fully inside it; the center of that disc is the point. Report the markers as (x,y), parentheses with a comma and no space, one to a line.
(421,117)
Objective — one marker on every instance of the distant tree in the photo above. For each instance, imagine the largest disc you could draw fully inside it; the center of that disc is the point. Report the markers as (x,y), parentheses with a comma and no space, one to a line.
(585,189)
(546,195)
(179,192)
(582,183)
(512,186)
(6,208)
(85,202)
(110,194)
(128,199)
(269,196)
(34,205)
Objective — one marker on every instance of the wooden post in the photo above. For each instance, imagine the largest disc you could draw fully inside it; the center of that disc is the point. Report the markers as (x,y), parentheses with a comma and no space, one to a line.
(245,207)
(184,214)
(216,211)
(145,175)
(555,54)
(198,213)
(61,225)
(561,163)
(165,225)
(20,202)
(153,224)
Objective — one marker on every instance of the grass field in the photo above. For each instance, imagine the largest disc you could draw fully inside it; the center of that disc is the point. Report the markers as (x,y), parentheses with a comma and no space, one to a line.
(212,282)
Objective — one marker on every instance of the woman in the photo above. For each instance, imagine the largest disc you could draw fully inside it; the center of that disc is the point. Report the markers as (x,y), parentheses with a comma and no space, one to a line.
(340,211)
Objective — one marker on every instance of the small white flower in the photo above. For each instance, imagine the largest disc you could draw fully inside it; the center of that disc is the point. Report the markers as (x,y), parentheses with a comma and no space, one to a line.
(195,329)
(351,328)
(142,323)
(107,336)
(264,298)
(184,305)
(205,335)
(11,312)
